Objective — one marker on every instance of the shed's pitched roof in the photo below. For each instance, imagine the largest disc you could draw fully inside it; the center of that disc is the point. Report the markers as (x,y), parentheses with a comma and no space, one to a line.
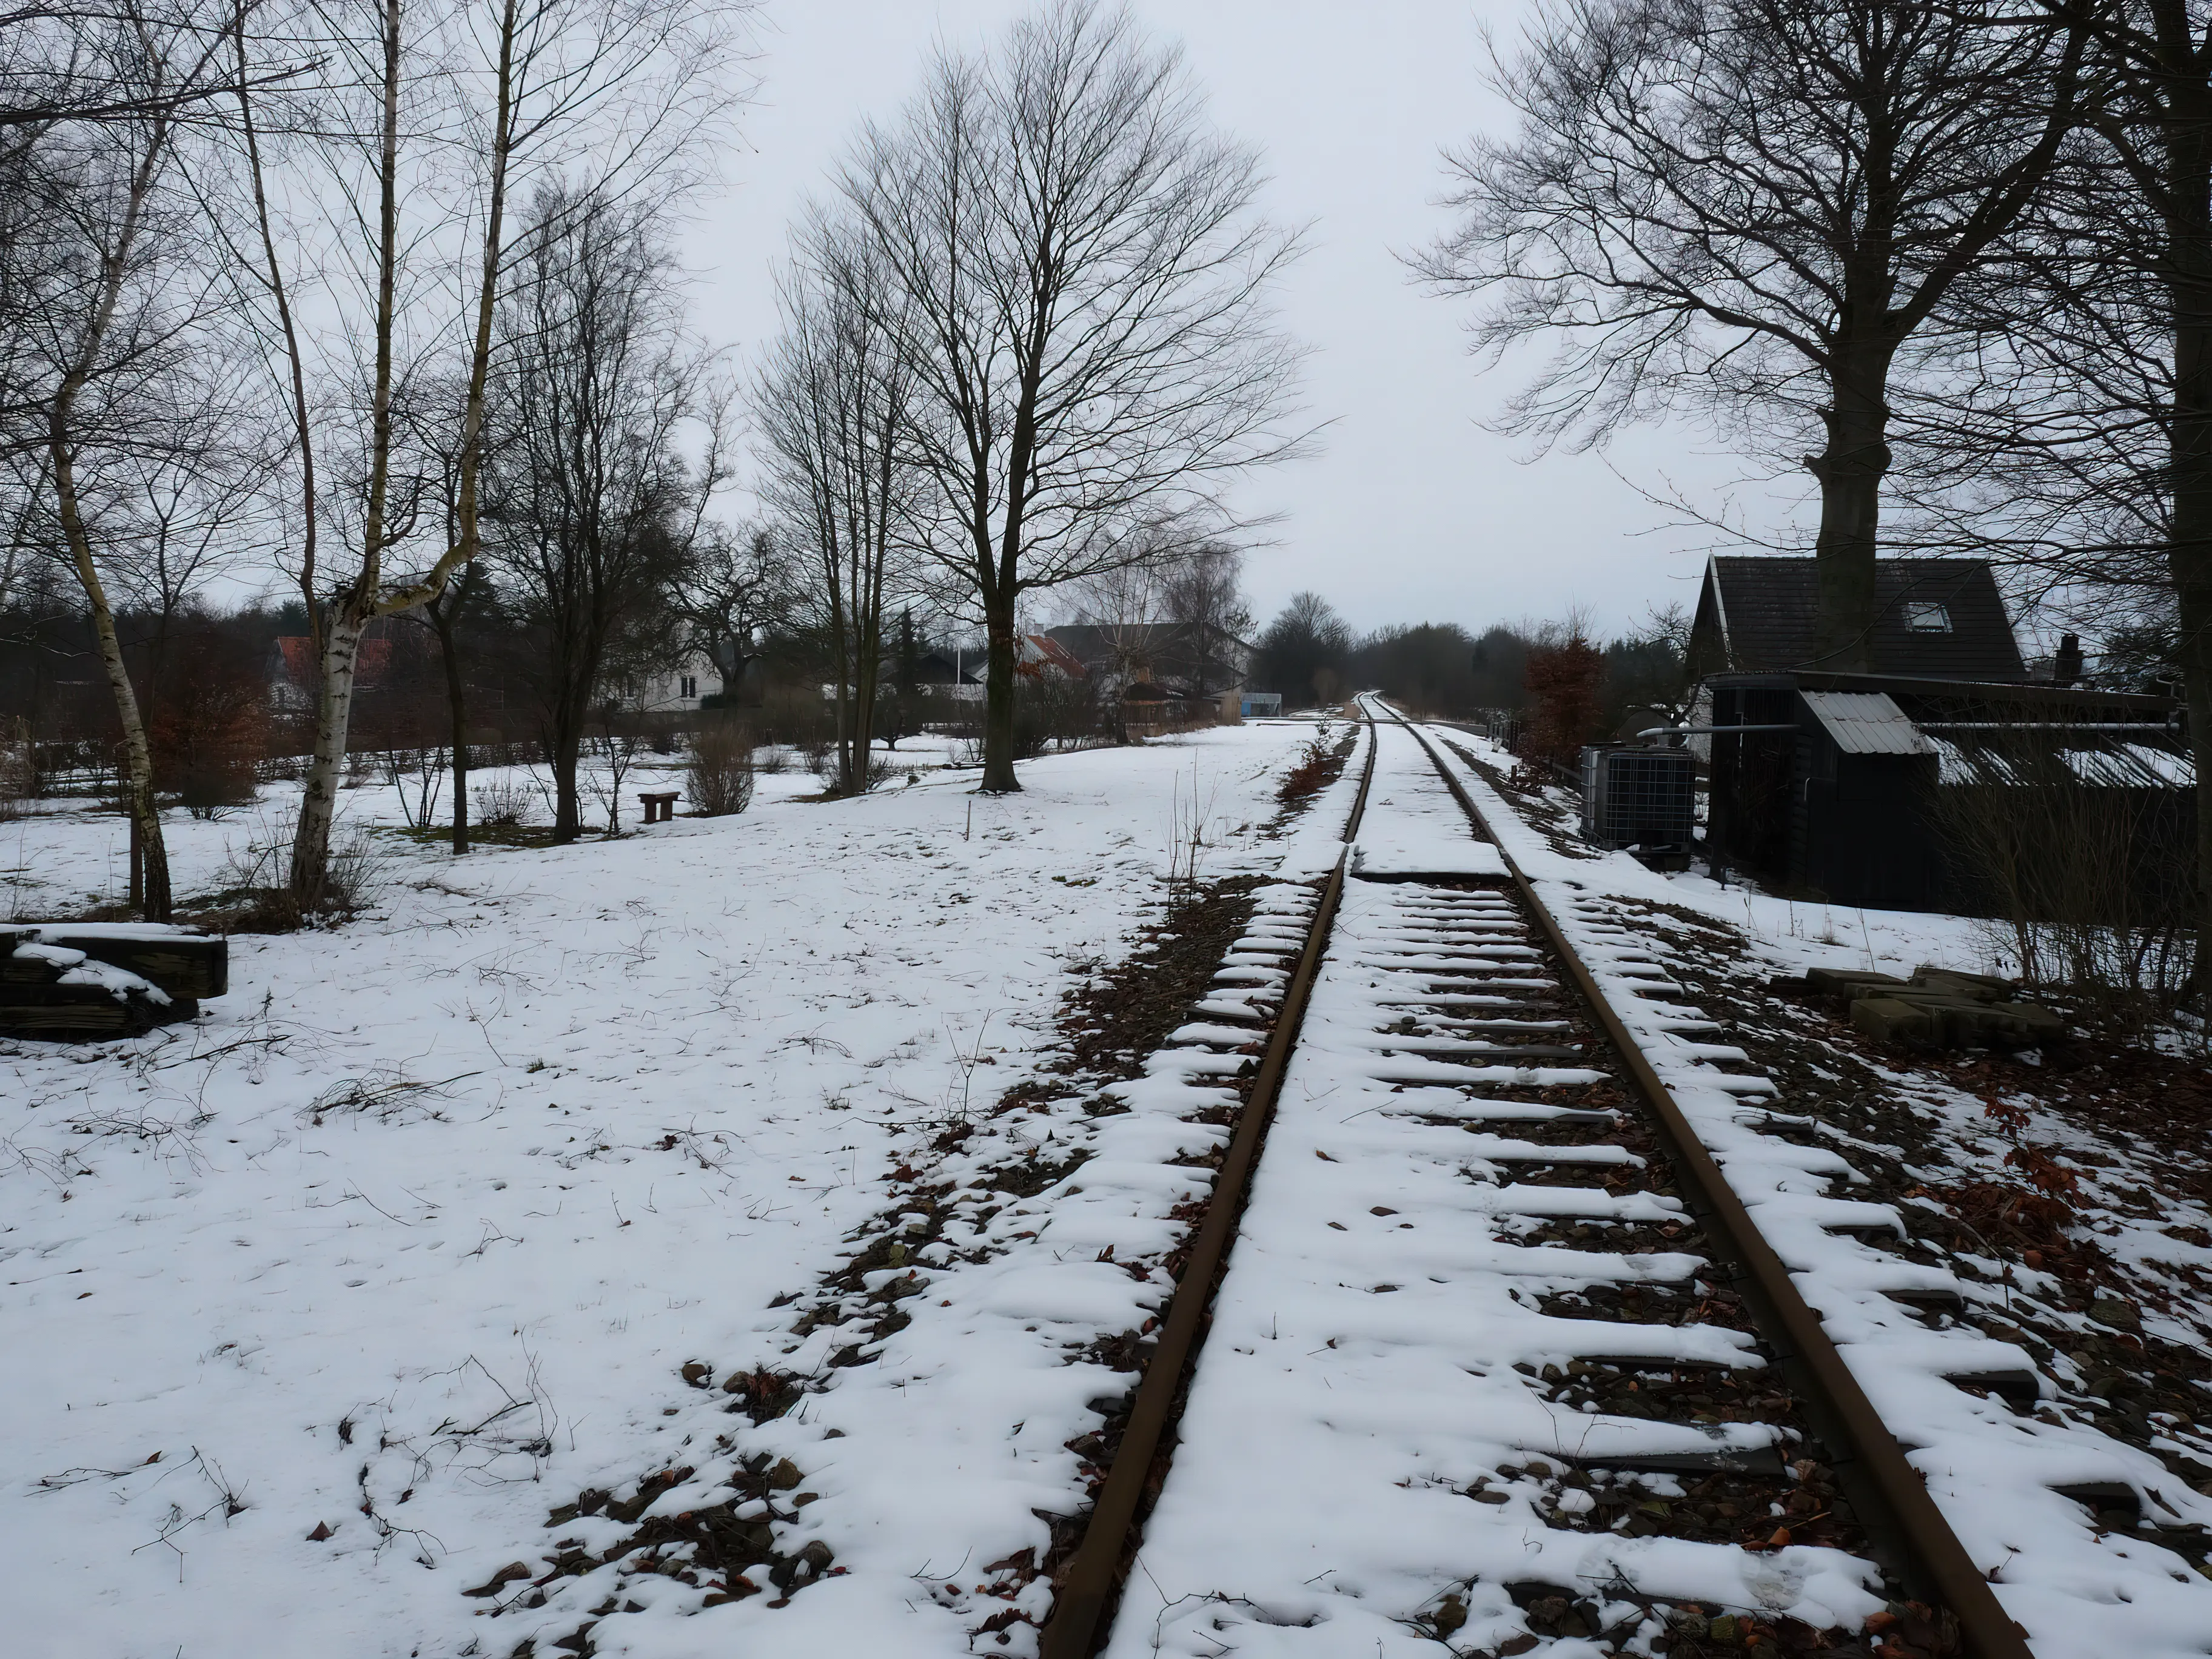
(1759,613)
(1866,723)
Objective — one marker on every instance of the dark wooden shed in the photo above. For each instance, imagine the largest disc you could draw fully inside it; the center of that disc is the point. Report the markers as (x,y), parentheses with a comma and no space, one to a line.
(1841,802)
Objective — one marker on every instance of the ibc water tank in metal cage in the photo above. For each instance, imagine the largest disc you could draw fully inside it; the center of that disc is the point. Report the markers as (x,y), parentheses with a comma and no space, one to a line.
(1639,798)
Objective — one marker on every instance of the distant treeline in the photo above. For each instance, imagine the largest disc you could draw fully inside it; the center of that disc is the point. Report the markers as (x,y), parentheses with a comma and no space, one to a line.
(1310,655)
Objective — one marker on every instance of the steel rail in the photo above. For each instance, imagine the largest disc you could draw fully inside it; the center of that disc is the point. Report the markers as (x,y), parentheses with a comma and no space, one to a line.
(1092,1579)
(1889,1492)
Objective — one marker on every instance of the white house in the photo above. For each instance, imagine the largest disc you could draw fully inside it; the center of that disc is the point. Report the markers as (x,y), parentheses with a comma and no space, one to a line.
(673,688)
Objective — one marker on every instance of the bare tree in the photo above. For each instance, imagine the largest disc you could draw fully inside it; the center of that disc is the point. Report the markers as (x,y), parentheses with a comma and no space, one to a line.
(1204,601)
(1124,606)
(49,79)
(438,119)
(734,585)
(833,403)
(1084,284)
(1303,652)
(443,614)
(1168,612)
(453,613)
(594,507)
(100,308)
(1760,208)
(2090,442)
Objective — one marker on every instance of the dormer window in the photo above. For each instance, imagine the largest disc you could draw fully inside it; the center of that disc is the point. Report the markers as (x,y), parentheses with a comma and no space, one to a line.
(1927,617)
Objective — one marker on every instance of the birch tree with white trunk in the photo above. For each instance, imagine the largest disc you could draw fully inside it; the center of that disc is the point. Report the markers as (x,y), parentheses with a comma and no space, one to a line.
(100,301)
(401,176)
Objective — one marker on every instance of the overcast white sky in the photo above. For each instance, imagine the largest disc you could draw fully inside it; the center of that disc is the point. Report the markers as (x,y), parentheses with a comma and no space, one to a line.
(1411,511)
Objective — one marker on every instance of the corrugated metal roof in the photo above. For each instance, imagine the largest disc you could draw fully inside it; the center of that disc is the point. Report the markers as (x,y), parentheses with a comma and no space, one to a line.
(2130,766)
(1866,723)
(2173,769)
(2099,765)
(1955,763)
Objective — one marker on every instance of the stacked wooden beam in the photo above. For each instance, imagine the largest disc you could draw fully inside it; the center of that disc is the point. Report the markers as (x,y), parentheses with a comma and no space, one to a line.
(1938,1008)
(80,981)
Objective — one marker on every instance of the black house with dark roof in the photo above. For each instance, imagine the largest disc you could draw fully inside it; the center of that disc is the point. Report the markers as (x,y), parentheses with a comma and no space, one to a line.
(1853,787)
(1937,619)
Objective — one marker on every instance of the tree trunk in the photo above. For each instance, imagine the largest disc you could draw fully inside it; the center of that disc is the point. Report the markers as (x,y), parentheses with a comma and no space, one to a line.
(351,614)
(999,777)
(841,709)
(2192,575)
(563,754)
(865,674)
(319,797)
(2189,551)
(152,888)
(457,708)
(1850,472)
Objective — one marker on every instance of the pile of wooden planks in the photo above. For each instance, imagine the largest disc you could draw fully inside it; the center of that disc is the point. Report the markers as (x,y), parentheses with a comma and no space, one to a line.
(82,981)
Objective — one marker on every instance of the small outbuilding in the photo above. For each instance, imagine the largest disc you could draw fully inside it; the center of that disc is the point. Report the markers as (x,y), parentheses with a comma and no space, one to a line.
(1916,787)
(1867,790)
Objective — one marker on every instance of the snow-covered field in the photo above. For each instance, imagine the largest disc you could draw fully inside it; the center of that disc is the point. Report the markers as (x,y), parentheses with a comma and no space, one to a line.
(404,1243)
(537,1181)
(61,857)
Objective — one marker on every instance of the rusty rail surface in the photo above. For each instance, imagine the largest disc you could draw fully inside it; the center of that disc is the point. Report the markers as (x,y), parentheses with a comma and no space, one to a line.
(1090,1582)
(1909,1532)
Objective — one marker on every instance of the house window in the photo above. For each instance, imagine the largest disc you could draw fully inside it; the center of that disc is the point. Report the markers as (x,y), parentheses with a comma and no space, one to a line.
(691,685)
(1927,617)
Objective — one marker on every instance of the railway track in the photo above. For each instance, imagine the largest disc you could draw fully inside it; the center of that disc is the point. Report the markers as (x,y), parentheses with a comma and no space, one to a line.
(1495,1323)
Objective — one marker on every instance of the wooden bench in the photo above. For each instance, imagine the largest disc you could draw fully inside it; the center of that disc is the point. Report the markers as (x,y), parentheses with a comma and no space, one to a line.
(660,806)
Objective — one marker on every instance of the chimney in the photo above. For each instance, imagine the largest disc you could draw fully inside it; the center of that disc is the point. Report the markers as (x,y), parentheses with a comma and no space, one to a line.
(2066,666)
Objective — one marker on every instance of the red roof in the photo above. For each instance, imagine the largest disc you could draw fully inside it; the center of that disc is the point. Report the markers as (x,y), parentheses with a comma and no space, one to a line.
(1042,651)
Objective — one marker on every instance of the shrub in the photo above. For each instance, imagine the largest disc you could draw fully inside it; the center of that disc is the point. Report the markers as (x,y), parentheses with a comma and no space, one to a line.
(503,804)
(721,770)
(360,867)
(18,777)
(211,730)
(2090,886)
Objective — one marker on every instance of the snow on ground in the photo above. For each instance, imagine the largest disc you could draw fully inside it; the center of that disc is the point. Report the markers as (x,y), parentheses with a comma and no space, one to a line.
(424,1216)
(1359,1377)
(2079,1590)
(66,854)
(1413,825)
(1800,933)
